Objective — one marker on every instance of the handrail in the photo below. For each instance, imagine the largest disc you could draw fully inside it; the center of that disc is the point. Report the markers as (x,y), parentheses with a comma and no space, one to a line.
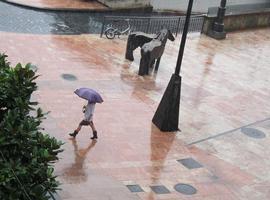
(152,17)
(151,24)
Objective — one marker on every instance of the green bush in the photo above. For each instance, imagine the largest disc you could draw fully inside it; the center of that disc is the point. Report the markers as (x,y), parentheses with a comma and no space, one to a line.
(26,153)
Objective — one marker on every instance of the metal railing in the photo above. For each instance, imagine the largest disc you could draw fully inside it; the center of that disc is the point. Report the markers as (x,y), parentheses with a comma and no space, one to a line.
(152,25)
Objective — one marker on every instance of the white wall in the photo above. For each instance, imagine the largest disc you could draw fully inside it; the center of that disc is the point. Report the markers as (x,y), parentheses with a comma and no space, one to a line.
(198,5)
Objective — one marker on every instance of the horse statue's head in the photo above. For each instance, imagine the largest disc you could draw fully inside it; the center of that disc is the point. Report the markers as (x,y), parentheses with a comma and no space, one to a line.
(165,34)
(170,36)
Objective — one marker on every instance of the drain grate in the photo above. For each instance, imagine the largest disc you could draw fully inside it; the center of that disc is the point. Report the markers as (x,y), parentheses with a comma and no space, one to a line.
(185,189)
(159,189)
(134,188)
(69,77)
(254,133)
(190,163)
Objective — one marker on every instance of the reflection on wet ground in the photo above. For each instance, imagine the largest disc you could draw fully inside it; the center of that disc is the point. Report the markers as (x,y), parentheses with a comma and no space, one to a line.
(76,172)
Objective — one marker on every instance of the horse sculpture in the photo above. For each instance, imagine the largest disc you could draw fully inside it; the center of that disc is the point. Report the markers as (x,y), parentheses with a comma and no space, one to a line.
(152,51)
(135,40)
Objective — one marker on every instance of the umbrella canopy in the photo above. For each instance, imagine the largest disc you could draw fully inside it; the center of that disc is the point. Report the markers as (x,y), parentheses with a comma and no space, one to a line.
(89,94)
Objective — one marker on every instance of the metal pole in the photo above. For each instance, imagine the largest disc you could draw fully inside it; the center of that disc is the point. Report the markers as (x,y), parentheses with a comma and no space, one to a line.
(183,40)
(219,23)
(166,117)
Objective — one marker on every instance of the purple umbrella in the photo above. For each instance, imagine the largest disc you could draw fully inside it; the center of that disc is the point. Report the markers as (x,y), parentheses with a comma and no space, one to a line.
(89,94)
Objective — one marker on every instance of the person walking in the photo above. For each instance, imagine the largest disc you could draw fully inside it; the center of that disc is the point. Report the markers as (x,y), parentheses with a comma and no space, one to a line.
(93,97)
(88,120)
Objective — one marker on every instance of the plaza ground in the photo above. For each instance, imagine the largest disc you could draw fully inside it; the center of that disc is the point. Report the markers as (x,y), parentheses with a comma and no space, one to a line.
(225,95)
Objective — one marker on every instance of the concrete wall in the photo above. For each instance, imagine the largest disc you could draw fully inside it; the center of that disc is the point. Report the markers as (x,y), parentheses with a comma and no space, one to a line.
(240,21)
(126,3)
(200,6)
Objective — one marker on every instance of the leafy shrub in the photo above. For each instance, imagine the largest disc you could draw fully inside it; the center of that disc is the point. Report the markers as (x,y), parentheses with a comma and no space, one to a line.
(26,153)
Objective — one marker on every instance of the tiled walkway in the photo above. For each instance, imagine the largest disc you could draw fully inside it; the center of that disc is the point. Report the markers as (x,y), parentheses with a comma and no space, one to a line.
(61,4)
(224,102)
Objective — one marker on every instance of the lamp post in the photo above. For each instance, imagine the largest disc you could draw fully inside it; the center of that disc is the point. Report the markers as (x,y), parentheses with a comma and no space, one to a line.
(217,31)
(166,117)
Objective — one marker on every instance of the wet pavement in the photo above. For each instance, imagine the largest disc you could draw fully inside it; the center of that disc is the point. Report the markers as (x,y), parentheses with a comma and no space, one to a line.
(223,149)
(24,20)
(225,91)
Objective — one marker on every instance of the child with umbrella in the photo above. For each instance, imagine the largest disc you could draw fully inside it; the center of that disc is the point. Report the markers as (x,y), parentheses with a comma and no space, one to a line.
(93,97)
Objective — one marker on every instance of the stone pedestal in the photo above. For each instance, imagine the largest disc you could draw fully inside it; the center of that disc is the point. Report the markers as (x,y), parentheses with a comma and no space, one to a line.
(166,117)
(217,35)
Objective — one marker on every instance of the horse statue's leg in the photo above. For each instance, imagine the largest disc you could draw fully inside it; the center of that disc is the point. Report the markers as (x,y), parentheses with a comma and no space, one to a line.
(142,70)
(152,63)
(144,64)
(129,48)
(157,64)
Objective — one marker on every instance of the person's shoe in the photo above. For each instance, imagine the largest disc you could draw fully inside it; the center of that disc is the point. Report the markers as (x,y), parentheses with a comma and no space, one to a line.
(94,135)
(73,134)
